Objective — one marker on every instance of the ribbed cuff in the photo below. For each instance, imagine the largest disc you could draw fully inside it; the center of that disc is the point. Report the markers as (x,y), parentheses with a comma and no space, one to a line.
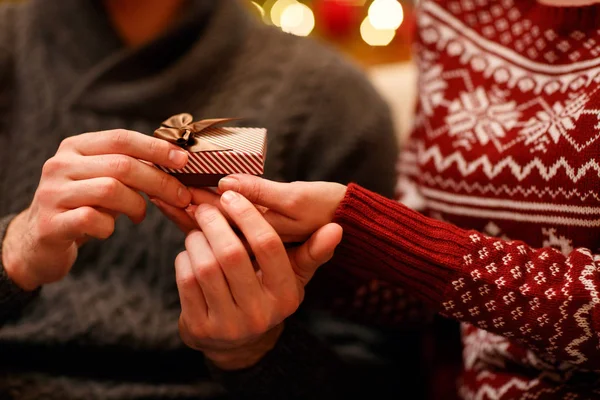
(385,240)
(298,367)
(12,297)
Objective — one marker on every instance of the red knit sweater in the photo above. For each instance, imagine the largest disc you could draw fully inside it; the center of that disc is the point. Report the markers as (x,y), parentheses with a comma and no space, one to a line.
(499,220)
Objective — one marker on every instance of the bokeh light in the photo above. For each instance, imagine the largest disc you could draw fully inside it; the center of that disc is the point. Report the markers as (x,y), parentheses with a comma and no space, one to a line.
(375,37)
(297,19)
(278,8)
(259,8)
(386,14)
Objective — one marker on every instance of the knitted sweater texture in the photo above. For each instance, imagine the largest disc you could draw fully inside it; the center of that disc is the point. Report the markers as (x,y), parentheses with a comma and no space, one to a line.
(499,214)
(109,329)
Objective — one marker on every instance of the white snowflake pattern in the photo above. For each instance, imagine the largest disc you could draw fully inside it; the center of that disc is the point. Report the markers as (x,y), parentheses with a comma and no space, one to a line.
(551,123)
(432,87)
(481,117)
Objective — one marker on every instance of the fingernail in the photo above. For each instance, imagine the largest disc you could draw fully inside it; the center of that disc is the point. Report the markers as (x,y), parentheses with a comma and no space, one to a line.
(178,157)
(184,195)
(229,196)
(156,202)
(191,210)
(229,183)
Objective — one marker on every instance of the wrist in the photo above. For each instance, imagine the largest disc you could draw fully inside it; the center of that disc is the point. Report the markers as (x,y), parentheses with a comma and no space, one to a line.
(13,261)
(248,355)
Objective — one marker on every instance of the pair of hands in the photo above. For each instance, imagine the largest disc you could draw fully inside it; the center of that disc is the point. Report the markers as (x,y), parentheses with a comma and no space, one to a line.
(237,288)
(232,305)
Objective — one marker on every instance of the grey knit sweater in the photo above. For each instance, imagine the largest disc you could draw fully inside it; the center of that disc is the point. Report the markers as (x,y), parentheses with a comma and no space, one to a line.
(109,329)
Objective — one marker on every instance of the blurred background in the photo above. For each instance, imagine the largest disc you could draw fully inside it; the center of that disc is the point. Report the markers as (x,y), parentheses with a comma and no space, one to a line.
(376,34)
(373,32)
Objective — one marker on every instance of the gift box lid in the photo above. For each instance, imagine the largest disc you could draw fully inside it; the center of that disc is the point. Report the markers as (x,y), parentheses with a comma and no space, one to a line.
(213,149)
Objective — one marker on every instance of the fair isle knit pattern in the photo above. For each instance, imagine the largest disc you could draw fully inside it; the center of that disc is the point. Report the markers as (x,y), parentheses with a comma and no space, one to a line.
(507,143)
(503,166)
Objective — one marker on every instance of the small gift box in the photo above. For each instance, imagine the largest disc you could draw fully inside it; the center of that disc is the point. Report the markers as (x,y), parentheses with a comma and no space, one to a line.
(214,152)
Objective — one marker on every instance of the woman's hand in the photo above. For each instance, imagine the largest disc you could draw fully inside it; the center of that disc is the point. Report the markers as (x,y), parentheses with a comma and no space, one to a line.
(233,306)
(295,210)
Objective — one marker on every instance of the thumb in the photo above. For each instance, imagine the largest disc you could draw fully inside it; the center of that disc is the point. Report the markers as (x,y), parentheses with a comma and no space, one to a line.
(258,191)
(317,250)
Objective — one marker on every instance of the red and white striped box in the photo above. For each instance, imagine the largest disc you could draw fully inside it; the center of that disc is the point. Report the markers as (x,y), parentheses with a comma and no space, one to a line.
(247,154)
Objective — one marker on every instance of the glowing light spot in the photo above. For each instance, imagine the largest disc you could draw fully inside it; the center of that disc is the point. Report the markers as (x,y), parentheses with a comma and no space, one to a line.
(278,8)
(297,19)
(375,37)
(259,8)
(386,14)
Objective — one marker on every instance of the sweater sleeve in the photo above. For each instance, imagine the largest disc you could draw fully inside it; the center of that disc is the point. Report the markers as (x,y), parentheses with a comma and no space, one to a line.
(350,137)
(315,370)
(539,298)
(12,297)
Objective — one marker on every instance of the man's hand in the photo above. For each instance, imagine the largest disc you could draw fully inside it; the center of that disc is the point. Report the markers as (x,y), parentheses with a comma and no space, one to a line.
(295,209)
(232,307)
(93,178)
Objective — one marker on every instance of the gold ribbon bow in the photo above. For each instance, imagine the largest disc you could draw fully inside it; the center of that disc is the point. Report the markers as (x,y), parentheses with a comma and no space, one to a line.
(182,130)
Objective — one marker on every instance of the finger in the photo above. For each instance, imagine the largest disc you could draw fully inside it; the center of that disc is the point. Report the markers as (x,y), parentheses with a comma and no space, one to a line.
(181,218)
(208,196)
(133,173)
(131,143)
(231,256)
(257,190)
(80,222)
(315,252)
(205,196)
(210,276)
(193,305)
(114,214)
(268,248)
(107,193)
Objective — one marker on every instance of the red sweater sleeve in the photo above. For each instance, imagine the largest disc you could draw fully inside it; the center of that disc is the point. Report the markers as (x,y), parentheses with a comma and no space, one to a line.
(538,297)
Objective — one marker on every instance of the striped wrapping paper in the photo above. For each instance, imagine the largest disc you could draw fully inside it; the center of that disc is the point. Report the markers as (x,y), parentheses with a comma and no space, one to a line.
(248,150)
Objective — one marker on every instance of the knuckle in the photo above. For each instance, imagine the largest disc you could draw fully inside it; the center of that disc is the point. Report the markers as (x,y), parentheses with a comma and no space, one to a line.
(86,217)
(207,271)
(159,149)
(109,187)
(109,228)
(231,332)
(245,211)
(256,189)
(181,258)
(142,207)
(267,243)
(186,280)
(258,323)
(121,166)
(44,227)
(52,166)
(296,200)
(290,304)
(232,254)
(189,328)
(46,193)
(206,214)
(164,182)
(67,143)
(197,331)
(119,138)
